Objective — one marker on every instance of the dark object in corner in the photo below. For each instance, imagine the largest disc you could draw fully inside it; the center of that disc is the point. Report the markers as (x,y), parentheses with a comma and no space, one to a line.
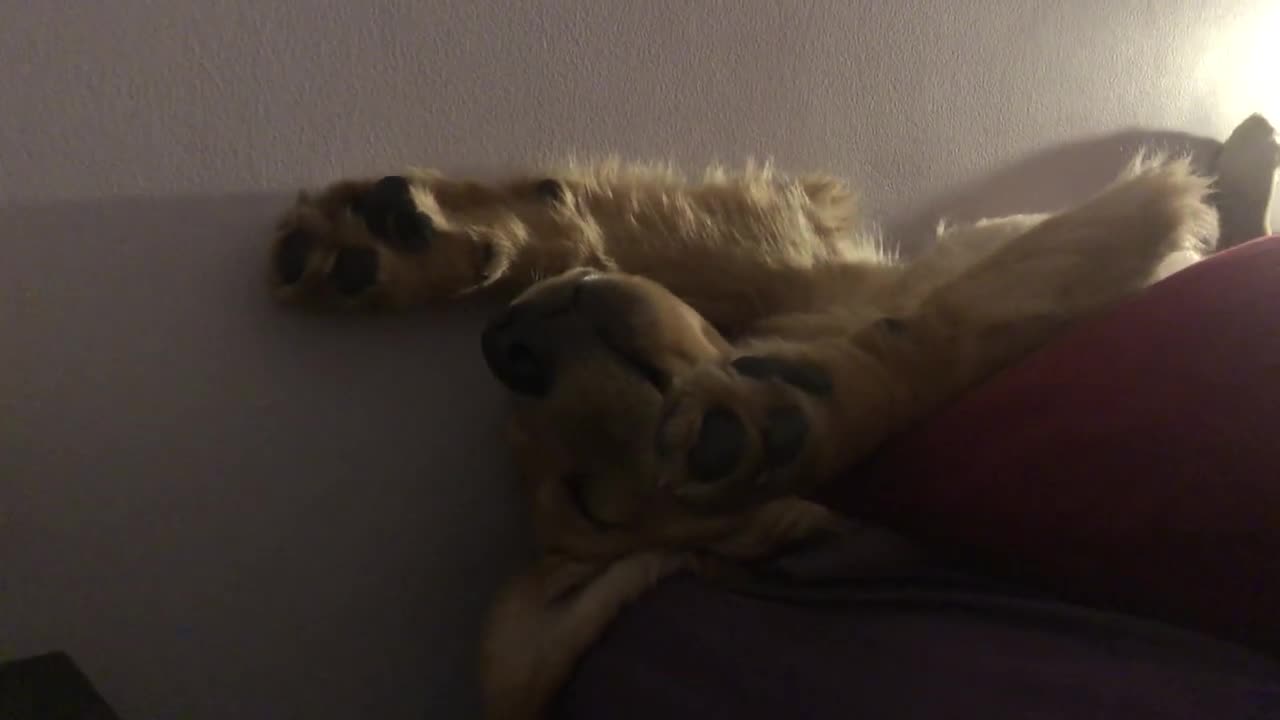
(49,687)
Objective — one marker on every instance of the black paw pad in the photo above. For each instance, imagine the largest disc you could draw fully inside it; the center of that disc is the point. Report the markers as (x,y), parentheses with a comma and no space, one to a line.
(550,190)
(893,326)
(355,269)
(291,256)
(784,435)
(485,253)
(390,214)
(721,442)
(809,378)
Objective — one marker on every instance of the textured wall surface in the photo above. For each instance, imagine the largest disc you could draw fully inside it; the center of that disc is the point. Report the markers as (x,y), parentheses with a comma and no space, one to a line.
(226,511)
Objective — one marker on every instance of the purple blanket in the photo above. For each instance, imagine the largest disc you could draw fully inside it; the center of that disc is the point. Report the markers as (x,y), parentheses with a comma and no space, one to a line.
(907,647)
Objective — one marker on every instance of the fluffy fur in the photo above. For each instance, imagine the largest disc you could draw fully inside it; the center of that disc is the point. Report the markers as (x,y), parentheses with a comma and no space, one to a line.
(688,359)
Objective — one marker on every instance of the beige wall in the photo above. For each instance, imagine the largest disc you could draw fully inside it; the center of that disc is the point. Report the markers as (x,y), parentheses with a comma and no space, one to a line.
(226,511)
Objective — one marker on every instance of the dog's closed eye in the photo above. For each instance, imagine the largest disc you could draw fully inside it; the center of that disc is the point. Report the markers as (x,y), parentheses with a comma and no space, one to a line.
(651,373)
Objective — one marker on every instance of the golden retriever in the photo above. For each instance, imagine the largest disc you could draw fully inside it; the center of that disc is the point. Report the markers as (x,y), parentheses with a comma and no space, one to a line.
(687,360)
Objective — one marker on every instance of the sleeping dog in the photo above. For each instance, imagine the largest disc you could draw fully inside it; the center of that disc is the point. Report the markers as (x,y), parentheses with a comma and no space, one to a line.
(688,360)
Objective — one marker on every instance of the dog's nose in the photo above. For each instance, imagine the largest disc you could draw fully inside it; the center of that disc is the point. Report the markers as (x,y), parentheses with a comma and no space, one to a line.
(516,355)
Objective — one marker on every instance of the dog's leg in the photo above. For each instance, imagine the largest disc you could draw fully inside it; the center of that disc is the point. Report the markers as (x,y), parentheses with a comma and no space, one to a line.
(1246,170)
(780,417)
(406,240)
(546,620)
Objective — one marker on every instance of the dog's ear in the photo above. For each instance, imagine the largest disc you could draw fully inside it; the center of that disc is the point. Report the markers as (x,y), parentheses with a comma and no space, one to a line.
(546,619)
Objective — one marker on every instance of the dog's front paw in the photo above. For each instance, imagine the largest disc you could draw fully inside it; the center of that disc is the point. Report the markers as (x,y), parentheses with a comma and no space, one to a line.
(738,434)
(375,243)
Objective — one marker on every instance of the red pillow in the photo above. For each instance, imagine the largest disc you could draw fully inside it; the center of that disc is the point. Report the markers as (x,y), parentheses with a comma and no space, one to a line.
(1134,464)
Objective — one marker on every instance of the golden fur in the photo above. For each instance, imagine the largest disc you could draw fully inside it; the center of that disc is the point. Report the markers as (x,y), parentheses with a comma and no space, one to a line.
(688,359)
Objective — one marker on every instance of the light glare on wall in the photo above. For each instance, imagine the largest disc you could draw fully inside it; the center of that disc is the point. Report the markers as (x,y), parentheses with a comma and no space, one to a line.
(1241,64)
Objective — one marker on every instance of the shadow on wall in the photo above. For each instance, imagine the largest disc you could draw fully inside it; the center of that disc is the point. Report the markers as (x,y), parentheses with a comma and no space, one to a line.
(1048,180)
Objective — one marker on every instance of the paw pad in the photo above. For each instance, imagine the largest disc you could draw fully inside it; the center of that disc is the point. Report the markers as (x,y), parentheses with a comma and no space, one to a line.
(811,379)
(785,431)
(355,269)
(291,256)
(893,325)
(550,190)
(391,215)
(722,440)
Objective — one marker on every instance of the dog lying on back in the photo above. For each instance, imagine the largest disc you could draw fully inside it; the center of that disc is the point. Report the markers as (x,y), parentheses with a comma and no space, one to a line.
(687,360)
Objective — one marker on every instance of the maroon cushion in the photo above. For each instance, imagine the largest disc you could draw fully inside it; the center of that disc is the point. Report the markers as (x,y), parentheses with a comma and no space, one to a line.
(1133,464)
